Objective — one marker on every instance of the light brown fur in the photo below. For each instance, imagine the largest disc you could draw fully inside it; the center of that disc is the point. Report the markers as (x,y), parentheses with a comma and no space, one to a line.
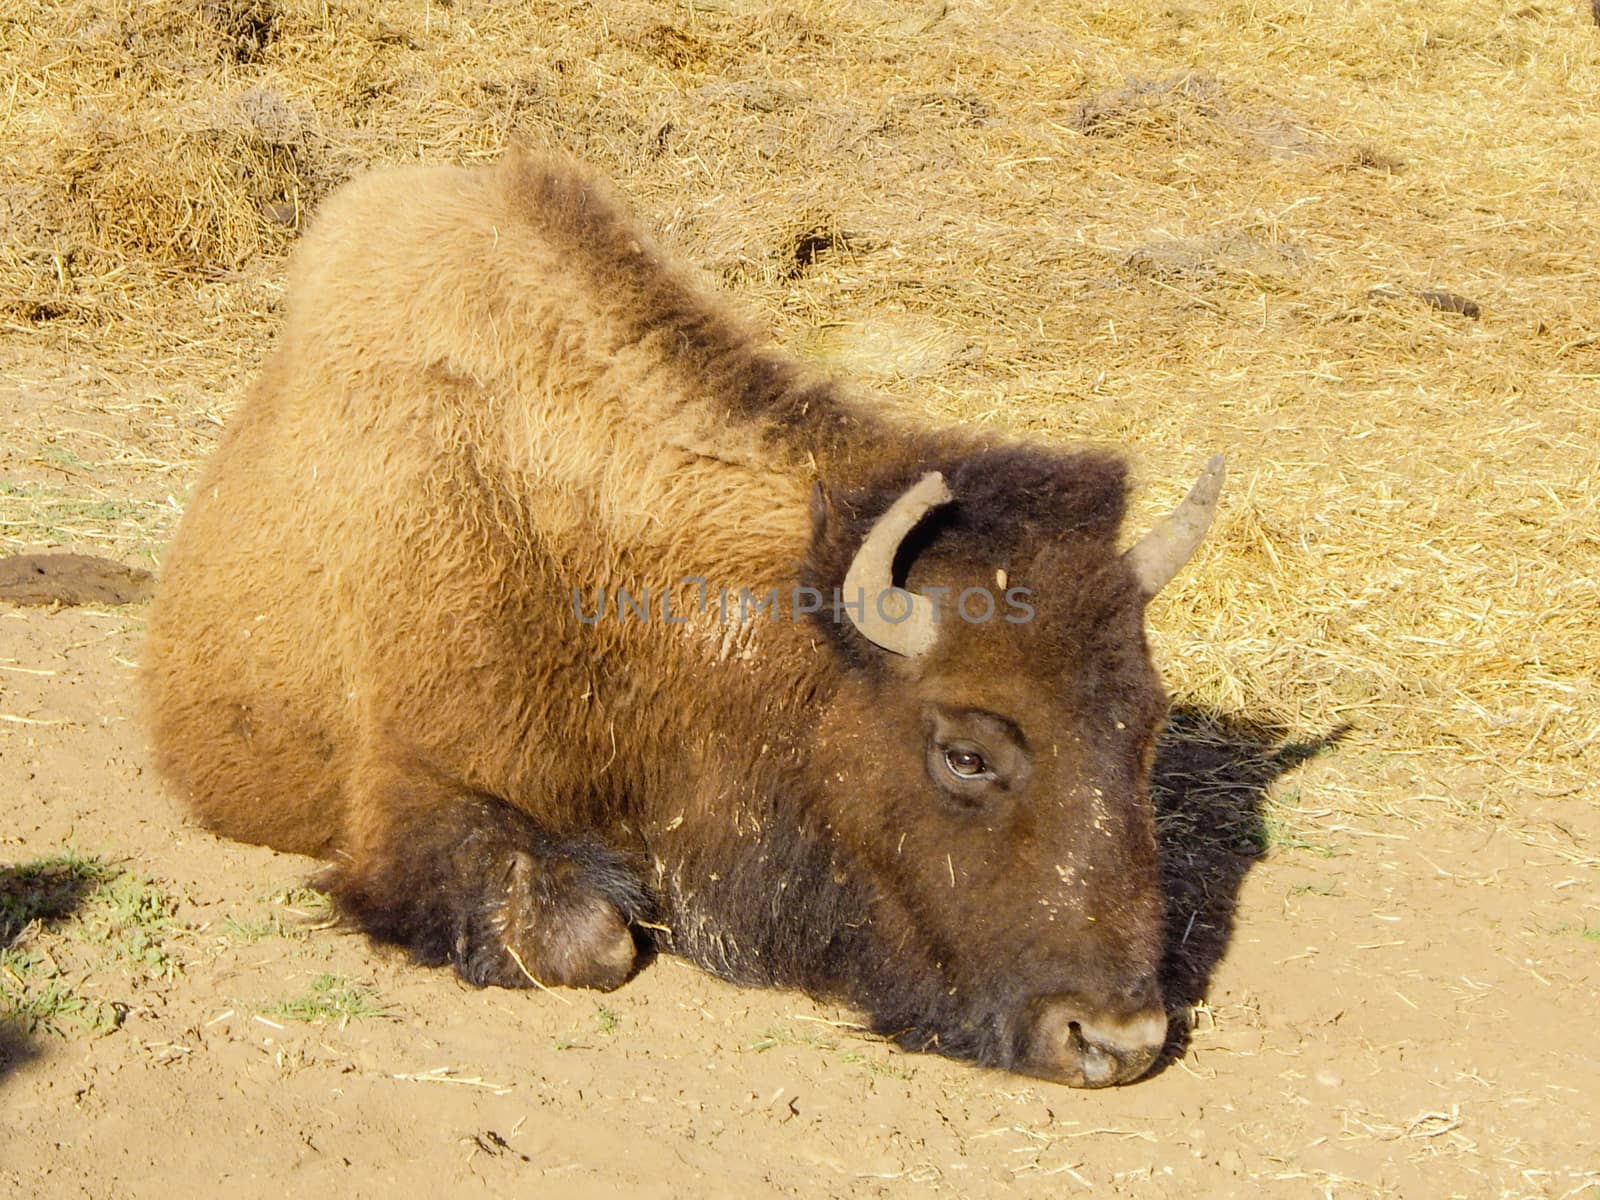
(577,458)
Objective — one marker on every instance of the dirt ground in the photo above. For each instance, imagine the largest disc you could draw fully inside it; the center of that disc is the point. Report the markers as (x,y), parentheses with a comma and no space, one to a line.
(1401,1011)
(1352,246)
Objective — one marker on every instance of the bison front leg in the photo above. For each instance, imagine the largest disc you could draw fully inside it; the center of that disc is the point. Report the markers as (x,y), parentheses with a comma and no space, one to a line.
(460,877)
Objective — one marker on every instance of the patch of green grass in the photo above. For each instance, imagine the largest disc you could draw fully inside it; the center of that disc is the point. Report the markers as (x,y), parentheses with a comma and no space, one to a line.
(256,930)
(1273,832)
(305,901)
(886,1068)
(330,998)
(777,1035)
(46,889)
(38,513)
(134,919)
(306,908)
(35,997)
(605,1022)
(1588,931)
(75,917)
(63,457)
(1314,889)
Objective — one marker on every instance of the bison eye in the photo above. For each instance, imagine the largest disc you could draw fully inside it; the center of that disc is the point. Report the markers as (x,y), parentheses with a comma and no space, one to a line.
(975,760)
(965,763)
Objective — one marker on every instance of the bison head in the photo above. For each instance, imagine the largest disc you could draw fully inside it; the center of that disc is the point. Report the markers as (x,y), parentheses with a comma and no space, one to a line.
(987,757)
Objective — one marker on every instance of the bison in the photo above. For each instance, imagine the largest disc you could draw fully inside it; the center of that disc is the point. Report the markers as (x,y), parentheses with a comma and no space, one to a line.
(574,622)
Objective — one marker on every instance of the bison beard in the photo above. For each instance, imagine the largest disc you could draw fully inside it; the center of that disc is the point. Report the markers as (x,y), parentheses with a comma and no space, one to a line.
(493,390)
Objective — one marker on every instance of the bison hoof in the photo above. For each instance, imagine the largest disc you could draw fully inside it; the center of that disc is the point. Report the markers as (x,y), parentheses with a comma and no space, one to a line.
(547,925)
(480,884)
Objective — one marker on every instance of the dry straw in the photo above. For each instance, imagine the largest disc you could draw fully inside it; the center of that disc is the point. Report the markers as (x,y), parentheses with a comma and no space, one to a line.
(1353,246)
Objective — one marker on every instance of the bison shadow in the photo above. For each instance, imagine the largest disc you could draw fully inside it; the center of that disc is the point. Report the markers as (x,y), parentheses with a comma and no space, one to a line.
(16,1047)
(40,892)
(1211,779)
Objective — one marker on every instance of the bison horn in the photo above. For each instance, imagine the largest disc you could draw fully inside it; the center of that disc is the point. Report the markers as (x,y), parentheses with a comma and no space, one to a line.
(869,582)
(1161,553)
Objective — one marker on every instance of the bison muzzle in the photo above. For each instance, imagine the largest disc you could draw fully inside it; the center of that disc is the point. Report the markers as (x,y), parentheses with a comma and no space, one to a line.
(571,621)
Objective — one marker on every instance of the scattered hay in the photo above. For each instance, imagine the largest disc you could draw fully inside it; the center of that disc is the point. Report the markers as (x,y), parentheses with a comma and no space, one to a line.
(247,27)
(1160,108)
(1232,256)
(197,189)
(142,153)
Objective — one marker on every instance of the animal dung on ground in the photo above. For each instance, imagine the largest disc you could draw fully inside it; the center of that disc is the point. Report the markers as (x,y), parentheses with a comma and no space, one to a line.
(72,579)
(1444,301)
(1452,303)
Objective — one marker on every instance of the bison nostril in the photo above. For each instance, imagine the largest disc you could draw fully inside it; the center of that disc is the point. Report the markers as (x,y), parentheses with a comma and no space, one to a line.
(1097,1064)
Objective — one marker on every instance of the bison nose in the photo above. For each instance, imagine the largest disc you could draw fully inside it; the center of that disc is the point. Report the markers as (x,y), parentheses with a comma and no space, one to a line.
(1075,1045)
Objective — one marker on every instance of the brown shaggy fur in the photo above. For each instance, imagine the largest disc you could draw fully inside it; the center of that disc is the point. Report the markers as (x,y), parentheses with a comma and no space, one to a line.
(492,390)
